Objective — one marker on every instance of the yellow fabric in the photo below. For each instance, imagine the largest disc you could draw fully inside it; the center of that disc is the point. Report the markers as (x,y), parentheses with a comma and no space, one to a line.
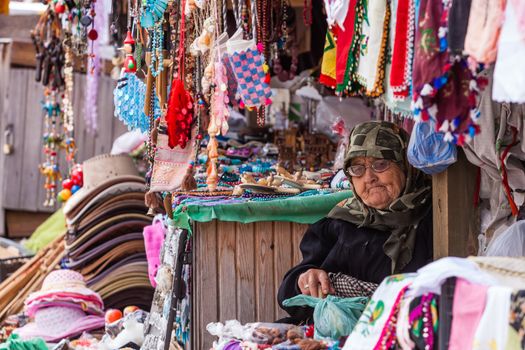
(328,65)
(47,232)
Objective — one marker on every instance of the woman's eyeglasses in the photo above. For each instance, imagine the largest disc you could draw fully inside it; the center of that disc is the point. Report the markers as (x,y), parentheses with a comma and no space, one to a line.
(378,166)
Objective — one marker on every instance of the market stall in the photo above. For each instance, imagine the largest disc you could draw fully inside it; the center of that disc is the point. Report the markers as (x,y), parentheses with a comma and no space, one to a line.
(252,115)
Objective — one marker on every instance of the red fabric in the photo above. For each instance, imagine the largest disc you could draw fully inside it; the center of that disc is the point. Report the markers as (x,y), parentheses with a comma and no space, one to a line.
(344,42)
(400,52)
(327,80)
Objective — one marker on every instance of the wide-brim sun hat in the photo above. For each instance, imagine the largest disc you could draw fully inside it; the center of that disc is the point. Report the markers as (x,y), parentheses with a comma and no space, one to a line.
(57,323)
(65,281)
(100,173)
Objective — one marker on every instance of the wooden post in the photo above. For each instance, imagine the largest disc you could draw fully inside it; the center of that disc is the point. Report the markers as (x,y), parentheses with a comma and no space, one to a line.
(456,221)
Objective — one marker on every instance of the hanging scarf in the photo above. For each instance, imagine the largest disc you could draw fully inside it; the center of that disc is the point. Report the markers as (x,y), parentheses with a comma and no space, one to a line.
(328,67)
(444,89)
(372,51)
(402,49)
(344,40)
(458,19)
(394,100)
(386,141)
(483,29)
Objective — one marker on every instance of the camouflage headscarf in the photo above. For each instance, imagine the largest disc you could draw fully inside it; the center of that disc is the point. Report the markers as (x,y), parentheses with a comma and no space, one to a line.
(387,141)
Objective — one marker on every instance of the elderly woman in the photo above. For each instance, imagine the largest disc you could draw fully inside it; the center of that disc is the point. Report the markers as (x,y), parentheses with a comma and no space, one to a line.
(385,228)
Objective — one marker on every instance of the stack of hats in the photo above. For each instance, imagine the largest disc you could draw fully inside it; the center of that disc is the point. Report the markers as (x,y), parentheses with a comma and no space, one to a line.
(63,308)
(105,220)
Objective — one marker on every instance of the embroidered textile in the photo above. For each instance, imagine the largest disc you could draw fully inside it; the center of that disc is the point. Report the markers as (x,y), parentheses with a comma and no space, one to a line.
(376,326)
(328,67)
(402,49)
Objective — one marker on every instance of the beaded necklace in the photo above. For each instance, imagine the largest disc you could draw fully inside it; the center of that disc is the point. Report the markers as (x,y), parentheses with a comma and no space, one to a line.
(157,41)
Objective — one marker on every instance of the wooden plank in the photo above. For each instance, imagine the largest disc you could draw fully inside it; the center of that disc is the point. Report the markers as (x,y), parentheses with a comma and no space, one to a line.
(90,133)
(206,235)
(283,253)
(456,221)
(104,138)
(298,231)
(226,265)
(16,117)
(264,280)
(195,285)
(245,268)
(32,144)
(5,63)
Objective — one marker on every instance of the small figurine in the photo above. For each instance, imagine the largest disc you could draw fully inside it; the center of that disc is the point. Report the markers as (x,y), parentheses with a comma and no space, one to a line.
(130,65)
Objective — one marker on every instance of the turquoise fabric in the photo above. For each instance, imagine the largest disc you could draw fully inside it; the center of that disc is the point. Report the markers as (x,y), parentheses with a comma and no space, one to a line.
(15,343)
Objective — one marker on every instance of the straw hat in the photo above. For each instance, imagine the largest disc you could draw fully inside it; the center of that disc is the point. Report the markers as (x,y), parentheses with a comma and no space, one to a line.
(100,174)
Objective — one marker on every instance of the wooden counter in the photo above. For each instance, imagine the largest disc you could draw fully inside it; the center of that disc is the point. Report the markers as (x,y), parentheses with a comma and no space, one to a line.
(237,270)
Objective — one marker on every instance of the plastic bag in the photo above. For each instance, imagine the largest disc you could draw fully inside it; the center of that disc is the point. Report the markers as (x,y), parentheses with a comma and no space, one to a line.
(334,317)
(509,243)
(428,151)
(259,332)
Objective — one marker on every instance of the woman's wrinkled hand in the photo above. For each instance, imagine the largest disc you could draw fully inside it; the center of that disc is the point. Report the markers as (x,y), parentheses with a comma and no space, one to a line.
(315,282)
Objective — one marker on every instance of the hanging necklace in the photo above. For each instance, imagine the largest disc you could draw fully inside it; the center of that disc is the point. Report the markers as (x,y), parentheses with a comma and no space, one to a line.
(157,57)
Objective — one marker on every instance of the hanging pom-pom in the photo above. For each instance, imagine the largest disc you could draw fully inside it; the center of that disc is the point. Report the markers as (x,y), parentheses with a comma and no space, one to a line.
(268,101)
(460,140)
(424,115)
(260,47)
(448,137)
(455,123)
(427,90)
(265,68)
(432,111)
(472,131)
(445,126)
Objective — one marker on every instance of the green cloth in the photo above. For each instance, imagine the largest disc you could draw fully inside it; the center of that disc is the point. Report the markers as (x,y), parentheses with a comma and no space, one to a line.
(15,343)
(304,210)
(46,233)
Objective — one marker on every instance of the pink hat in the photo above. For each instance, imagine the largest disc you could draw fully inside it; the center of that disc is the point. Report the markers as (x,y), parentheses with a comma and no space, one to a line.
(56,323)
(65,281)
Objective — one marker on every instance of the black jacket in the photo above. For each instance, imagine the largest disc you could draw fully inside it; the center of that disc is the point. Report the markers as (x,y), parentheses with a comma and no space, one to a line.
(339,246)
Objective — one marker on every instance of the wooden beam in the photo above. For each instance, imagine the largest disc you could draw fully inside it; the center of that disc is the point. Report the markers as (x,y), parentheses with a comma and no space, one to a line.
(456,221)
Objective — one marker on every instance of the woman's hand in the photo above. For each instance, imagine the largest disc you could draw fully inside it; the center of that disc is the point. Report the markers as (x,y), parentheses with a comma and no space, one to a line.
(315,282)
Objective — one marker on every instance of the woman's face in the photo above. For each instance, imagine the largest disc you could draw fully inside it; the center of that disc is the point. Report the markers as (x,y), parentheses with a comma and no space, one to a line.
(378,189)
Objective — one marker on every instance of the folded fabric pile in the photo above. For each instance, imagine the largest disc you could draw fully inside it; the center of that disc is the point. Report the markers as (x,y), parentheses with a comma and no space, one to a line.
(105,222)
(64,307)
